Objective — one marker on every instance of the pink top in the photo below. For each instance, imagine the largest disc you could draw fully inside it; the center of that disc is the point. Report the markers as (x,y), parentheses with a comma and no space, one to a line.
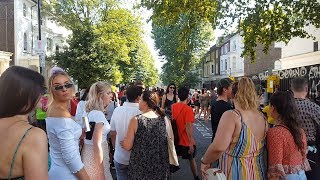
(284,156)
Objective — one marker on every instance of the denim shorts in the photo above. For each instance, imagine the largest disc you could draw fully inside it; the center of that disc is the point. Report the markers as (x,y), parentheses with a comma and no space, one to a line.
(297,176)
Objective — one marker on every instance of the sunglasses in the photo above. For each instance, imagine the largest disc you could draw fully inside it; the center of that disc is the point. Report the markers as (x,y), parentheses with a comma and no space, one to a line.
(171,87)
(59,88)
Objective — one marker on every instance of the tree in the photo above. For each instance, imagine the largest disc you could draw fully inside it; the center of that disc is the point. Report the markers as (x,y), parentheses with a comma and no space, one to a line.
(259,21)
(86,60)
(182,49)
(141,66)
(104,39)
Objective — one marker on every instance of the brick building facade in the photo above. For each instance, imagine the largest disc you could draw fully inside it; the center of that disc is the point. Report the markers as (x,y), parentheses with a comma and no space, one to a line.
(7,27)
(263,63)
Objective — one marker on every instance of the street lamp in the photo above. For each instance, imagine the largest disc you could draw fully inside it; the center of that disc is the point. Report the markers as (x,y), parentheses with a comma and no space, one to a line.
(39,29)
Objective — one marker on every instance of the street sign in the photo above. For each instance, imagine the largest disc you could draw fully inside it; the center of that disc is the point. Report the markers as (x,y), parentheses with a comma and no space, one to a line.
(39,49)
(42,60)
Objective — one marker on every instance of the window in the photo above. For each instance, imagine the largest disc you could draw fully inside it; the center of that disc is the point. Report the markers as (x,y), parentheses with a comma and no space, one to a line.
(207,58)
(315,46)
(217,54)
(227,48)
(234,63)
(25,42)
(221,50)
(212,56)
(24,10)
(212,69)
(226,65)
(234,46)
(57,48)
(49,44)
(217,68)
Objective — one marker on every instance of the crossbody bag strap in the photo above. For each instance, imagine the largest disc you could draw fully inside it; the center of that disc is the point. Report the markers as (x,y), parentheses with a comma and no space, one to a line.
(177,119)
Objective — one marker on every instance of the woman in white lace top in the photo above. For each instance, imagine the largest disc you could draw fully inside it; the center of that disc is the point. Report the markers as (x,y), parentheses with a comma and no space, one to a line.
(63,132)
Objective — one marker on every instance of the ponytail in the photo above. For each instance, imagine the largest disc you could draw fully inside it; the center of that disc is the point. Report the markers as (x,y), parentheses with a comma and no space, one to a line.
(158,111)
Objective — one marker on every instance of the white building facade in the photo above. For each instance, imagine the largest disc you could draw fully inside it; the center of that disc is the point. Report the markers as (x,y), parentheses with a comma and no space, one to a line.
(223,60)
(300,51)
(26,34)
(231,62)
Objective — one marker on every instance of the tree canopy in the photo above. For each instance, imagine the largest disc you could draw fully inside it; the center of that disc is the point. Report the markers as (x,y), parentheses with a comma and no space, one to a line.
(106,42)
(182,49)
(259,21)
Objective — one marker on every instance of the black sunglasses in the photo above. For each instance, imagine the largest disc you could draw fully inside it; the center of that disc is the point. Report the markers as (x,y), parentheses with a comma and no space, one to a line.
(59,88)
(171,87)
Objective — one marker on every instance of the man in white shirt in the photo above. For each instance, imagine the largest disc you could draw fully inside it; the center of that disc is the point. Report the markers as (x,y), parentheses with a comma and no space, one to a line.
(119,125)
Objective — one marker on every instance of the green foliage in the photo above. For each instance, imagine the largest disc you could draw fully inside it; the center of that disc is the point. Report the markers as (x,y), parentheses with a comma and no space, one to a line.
(268,21)
(259,21)
(86,60)
(169,11)
(141,67)
(182,49)
(106,43)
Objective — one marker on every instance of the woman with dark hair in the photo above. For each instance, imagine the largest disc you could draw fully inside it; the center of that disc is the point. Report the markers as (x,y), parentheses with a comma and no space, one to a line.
(287,143)
(24,148)
(147,140)
(169,98)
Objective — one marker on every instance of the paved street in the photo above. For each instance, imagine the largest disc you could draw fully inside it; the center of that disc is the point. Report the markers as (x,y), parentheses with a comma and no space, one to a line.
(202,133)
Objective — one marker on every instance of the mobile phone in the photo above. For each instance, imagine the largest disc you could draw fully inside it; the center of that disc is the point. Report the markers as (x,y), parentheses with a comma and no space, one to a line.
(90,133)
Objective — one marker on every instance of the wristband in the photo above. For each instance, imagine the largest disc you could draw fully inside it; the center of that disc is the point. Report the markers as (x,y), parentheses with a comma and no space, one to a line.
(203,162)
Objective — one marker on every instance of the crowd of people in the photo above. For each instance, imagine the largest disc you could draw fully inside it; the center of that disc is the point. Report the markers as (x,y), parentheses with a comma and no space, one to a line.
(131,130)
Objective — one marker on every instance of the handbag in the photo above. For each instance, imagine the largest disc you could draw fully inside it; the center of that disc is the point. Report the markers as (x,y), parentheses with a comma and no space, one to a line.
(173,158)
(215,174)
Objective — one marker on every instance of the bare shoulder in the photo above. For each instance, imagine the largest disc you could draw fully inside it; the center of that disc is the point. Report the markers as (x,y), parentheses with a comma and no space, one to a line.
(36,139)
(36,134)
(134,119)
(231,114)
(259,115)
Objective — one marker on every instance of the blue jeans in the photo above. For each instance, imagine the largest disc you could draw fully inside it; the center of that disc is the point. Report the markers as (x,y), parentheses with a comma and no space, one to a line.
(121,171)
(297,176)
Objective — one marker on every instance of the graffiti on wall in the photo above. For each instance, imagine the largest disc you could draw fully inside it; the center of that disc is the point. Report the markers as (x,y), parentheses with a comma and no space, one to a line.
(312,72)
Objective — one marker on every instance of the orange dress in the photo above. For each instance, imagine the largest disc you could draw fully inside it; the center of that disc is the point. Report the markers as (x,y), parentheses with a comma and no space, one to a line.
(284,156)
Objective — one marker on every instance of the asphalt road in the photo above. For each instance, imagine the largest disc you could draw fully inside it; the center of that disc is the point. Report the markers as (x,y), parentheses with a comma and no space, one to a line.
(202,134)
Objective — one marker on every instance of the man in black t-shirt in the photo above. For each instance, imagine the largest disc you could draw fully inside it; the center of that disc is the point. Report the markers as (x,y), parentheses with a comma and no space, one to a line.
(224,91)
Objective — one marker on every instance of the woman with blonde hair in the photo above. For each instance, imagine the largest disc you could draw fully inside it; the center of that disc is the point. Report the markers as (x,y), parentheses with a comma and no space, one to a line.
(63,132)
(24,148)
(240,140)
(95,153)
